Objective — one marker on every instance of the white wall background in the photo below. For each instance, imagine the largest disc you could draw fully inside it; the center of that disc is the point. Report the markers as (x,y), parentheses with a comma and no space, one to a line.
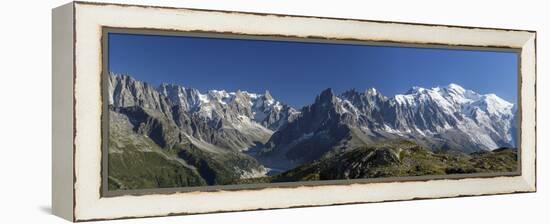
(25,112)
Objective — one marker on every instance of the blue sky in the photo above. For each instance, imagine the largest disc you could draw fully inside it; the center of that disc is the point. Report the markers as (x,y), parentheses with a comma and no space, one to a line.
(296,72)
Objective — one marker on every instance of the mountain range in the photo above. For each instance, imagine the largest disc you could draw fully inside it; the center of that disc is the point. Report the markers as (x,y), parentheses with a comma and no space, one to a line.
(170,135)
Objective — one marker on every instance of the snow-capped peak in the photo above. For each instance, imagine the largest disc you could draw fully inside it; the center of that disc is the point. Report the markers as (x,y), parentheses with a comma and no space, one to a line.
(452,94)
(261,108)
(456,88)
(415,90)
(372,91)
(494,105)
(485,118)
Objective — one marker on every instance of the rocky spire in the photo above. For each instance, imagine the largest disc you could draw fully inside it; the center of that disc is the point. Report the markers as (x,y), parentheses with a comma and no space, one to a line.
(326,96)
(267,95)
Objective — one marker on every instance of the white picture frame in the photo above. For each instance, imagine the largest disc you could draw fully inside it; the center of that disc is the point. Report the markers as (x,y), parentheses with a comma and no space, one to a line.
(77,110)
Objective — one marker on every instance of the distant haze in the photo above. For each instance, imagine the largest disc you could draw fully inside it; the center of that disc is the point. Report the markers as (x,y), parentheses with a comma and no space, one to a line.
(296,72)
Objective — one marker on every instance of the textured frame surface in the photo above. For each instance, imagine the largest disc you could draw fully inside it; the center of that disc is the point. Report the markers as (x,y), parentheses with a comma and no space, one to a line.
(90,19)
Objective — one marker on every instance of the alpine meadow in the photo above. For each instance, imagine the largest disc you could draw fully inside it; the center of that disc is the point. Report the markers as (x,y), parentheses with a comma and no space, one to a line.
(196,111)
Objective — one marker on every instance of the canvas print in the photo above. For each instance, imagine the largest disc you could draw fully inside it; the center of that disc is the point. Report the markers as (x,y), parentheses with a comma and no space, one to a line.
(189,111)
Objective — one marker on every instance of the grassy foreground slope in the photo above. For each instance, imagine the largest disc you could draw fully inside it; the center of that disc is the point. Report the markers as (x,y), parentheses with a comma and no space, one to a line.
(396,159)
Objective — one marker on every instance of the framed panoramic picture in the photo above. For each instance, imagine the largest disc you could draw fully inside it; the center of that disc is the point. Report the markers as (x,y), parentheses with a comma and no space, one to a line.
(162,111)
